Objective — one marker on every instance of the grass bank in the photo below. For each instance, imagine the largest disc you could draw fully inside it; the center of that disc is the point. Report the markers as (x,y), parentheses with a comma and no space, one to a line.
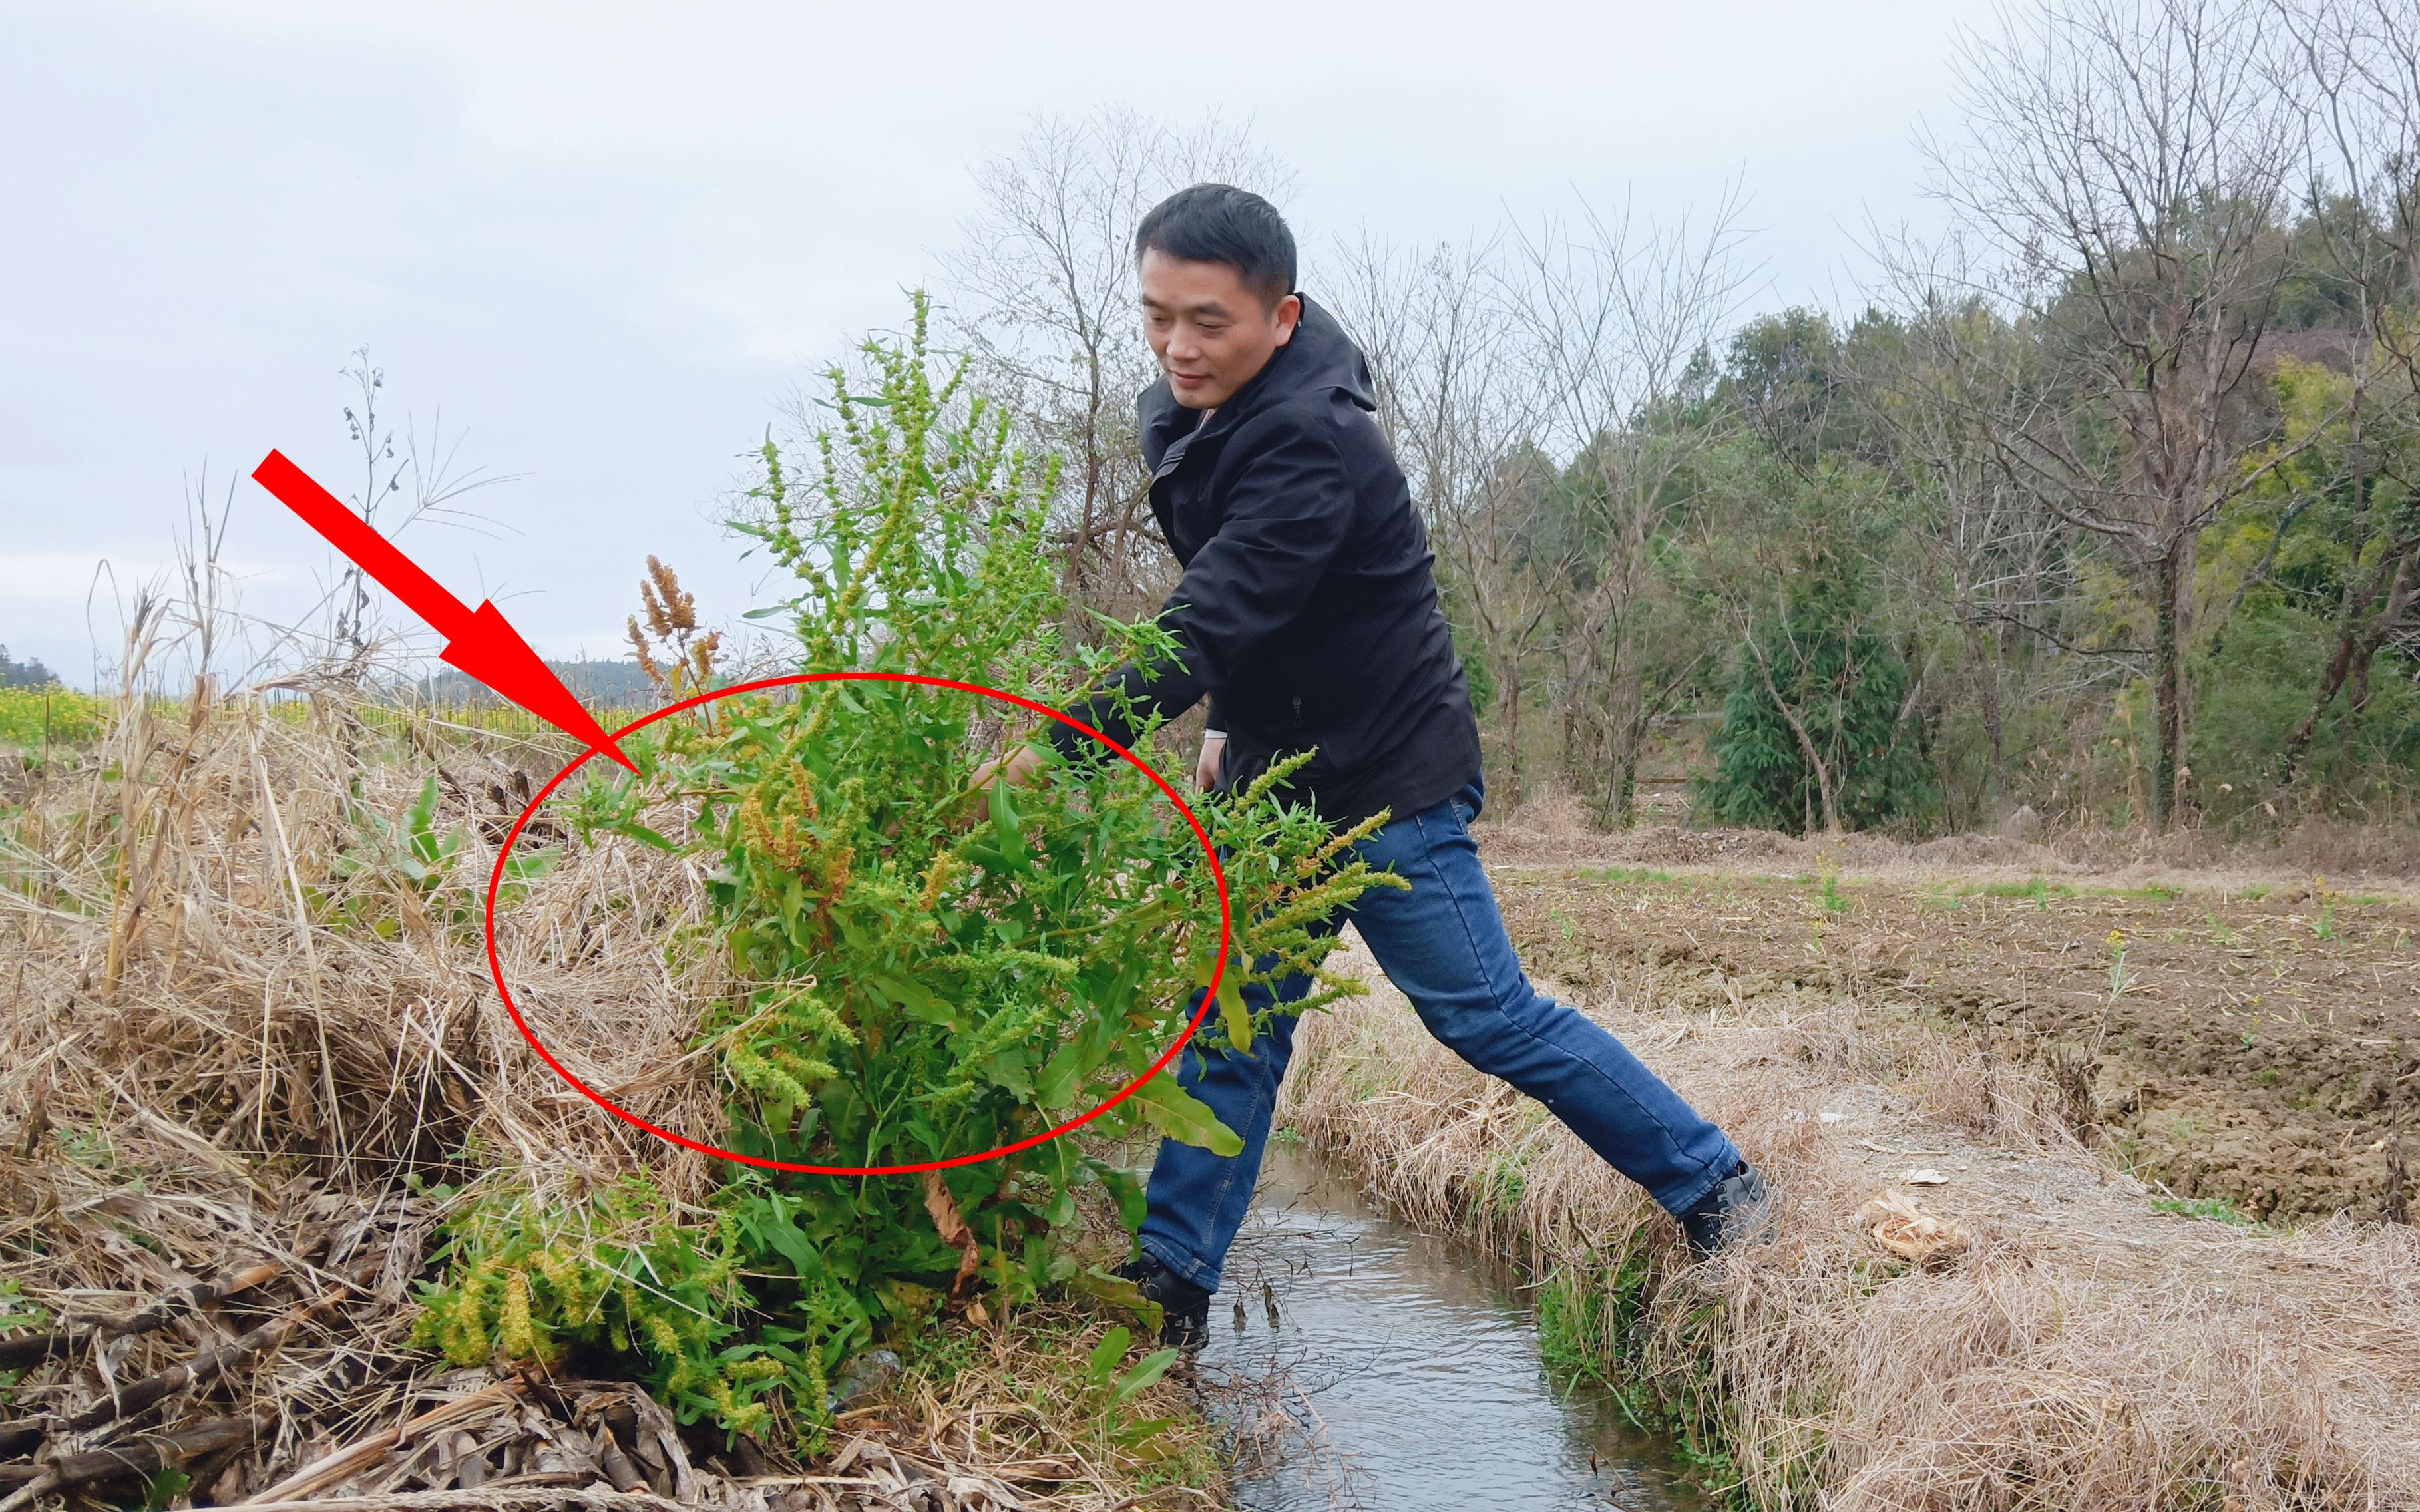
(251,1064)
(2074,1347)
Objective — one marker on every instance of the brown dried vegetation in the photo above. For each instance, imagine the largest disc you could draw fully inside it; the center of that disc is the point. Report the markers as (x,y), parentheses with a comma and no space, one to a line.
(250,1060)
(2081,1349)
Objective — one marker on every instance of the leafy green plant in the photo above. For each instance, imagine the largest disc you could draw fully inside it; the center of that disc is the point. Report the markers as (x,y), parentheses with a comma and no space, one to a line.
(892,984)
(411,857)
(38,719)
(621,1271)
(17,1314)
(1112,1388)
(162,1490)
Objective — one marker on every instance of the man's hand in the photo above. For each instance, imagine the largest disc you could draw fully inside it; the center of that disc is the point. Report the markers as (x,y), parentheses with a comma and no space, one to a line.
(1206,765)
(1017,767)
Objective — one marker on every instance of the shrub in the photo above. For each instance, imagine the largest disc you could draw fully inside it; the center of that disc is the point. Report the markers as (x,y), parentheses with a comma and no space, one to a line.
(1846,685)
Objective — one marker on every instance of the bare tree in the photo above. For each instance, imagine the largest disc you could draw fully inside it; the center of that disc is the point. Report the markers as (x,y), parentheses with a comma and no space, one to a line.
(1043,290)
(2131,157)
(1456,397)
(1616,315)
(1987,554)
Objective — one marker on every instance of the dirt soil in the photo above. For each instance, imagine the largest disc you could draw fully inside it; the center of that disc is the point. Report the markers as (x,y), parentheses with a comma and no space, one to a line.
(2250,1043)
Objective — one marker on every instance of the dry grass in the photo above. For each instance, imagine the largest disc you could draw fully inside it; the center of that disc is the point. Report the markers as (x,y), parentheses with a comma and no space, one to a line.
(236,1032)
(2084,1352)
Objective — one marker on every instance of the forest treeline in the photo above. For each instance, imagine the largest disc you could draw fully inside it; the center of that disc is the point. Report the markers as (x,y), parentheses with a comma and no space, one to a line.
(2102,504)
(28,674)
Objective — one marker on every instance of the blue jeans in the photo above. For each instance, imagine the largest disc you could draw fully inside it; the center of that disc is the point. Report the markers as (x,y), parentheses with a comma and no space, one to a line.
(1443,944)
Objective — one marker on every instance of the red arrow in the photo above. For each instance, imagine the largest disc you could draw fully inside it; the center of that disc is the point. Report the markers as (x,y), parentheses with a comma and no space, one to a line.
(480,644)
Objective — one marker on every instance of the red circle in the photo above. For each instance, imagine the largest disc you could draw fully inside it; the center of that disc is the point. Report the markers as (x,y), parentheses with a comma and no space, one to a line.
(1226,927)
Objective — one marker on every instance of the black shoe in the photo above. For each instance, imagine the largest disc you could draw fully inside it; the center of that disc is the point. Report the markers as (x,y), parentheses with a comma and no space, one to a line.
(1735,1210)
(1185,1309)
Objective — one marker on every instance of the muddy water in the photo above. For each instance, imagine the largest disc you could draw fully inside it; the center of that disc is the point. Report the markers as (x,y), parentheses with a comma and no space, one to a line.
(1401,1371)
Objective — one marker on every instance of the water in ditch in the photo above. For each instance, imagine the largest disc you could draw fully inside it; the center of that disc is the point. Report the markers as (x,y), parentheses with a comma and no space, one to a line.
(1373,1365)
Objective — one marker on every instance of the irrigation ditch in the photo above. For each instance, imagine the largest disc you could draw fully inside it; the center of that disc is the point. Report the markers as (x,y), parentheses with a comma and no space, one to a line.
(1357,1360)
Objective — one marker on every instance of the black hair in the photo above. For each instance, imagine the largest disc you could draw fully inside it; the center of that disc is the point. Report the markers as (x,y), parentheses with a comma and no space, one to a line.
(1221,223)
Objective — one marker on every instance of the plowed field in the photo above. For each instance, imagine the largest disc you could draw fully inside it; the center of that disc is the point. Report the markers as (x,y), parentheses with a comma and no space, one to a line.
(2252,1046)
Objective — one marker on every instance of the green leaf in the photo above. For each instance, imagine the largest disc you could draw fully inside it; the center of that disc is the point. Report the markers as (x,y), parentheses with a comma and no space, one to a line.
(1154,1366)
(1007,829)
(641,833)
(1185,1118)
(1232,1015)
(1134,1204)
(1068,1067)
(532,864)
(915,1001)
(1012,1069)
(1120,1293)
(1107,1353)
(793,1245)
(422,815)
(1137,1434)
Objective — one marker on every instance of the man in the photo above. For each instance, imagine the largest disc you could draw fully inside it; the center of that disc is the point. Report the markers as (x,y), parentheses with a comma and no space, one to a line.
(1308,617)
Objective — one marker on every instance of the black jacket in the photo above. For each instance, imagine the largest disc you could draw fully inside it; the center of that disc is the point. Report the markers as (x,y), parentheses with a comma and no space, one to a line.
(1309,612)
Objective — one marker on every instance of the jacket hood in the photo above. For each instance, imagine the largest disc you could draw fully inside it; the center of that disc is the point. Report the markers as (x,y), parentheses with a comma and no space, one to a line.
(1320,357)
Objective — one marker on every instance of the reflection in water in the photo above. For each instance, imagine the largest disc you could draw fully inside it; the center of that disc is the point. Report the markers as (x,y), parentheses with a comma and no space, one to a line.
(1403,1370)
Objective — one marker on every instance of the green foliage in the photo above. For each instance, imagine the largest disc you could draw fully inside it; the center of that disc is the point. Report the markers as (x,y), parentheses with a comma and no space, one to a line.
(164,1490)
(1120,1388)
(620,1271)
(902,985)
(1110,1389)
(16,1313)
(2220,1209)
(1845,689)
(1852,479)
(2258,686)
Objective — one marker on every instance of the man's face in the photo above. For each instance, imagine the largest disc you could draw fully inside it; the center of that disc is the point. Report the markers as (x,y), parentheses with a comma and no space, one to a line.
(1210,332)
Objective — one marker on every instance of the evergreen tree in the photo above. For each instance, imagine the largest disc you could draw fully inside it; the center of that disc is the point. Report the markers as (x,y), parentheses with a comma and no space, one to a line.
(1817,679)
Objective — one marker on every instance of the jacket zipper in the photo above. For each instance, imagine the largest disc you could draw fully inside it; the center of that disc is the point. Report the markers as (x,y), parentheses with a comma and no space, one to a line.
(1297,713)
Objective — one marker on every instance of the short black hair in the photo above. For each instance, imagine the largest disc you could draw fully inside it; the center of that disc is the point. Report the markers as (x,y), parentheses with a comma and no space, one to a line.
(1221,223)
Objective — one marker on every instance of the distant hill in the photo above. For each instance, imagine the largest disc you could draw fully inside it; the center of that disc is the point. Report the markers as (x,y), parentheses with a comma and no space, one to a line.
(599,684)
(34,674)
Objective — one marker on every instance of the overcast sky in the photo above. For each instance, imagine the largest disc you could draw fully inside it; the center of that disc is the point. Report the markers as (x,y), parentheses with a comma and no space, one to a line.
(608,239)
